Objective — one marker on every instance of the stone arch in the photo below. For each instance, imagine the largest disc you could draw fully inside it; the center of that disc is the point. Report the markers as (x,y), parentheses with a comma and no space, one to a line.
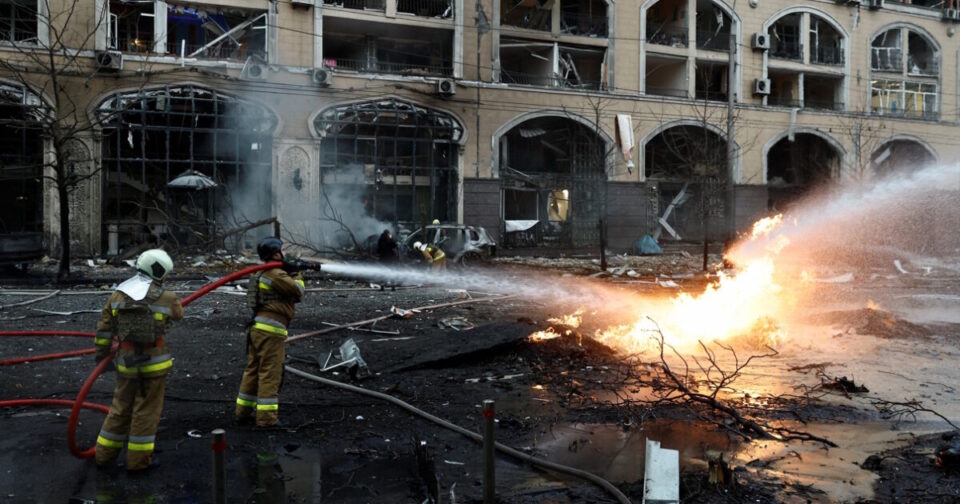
(521,118)
(660,128)
(901,154)
(798,162)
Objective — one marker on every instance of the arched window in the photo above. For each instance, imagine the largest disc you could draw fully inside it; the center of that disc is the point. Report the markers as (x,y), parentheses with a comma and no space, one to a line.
(399,158)
(806,63)
(152,137)
(904,73)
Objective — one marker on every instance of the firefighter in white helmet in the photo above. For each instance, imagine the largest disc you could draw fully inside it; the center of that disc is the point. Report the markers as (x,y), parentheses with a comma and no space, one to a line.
(136,315)
(435,257)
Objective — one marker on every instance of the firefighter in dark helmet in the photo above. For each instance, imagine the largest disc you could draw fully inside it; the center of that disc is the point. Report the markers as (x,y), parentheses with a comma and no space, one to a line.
(137,314)
(271,295)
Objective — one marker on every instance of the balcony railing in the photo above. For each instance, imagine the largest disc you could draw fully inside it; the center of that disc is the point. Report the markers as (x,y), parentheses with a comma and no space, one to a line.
(787,49)
(426,8)
(583,24)
(377,5)
(827,55)
(531,18)
(667,91)
(667,37)
(542,80)
(886,59)
(387,67)
(928,115)
(923,67)
(713,41)
(817,104)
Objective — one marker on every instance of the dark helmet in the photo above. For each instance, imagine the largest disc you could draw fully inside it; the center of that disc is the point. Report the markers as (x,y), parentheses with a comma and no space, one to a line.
(269,246)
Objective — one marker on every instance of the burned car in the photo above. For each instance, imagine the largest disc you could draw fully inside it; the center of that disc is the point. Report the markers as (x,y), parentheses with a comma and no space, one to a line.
(462,244)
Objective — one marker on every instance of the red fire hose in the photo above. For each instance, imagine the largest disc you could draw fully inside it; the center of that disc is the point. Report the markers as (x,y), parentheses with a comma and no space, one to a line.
(79,403)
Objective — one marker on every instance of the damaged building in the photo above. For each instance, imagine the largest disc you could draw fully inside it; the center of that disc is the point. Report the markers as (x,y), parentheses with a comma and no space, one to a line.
(204,116)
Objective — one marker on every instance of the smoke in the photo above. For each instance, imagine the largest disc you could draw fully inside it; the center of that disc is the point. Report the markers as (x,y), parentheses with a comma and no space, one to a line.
(321,225)
(865,224)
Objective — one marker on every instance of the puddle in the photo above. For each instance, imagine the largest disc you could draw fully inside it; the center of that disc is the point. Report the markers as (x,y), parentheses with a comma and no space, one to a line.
(618,455)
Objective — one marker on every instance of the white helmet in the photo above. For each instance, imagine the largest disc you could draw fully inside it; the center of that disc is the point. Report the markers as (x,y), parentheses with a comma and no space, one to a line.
(423,247)
(155,263)
(416,245)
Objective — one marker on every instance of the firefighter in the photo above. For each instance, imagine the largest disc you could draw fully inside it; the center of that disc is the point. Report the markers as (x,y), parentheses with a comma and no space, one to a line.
(436,258)
(271,295)
(137,314)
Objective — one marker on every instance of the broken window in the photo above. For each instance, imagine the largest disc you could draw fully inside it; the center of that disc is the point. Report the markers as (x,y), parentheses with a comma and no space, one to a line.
(130,25)
(554,179)
(530,14)
(426,8)
(922,57)
(216,32)
(713,27)
(784,89)
(667,23)
(712,81)
(21,161)
(666,76)
(904,98)
(152,137)
(885,52)
(785,39)
(18,20)
(826,43)
(401,157)
(372,47)
(584,17)
(551,64)
(900,156)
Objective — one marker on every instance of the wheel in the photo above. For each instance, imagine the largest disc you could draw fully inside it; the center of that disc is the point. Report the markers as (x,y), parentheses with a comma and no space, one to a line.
(470,259)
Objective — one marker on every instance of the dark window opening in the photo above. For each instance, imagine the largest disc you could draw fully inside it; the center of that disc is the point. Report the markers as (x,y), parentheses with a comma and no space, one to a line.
(667,23)
(922,58)
(130,27)
(784,89)
(667,77)
(713,27)
(426,8)
(361,47)
(530,14)
(822,93)
(785,39)
(797,167)
(712,82)
(21,162)
(900,157)
(399,157)
(18,20)
(216,32)
(375,5)
(886,54)
(152,137)
(826,43)
(551,65)
(584,17)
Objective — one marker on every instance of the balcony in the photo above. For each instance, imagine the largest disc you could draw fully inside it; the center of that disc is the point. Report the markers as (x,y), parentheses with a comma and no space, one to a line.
(713,41)
(583,24)
(831,55)
(787,49)
(667,37)
(923,67)
(374,5)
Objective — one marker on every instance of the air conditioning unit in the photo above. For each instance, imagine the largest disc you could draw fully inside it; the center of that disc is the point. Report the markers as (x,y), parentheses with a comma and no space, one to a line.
(761,41)
(301,3)
(109,61)
(322,77)
(255,69)
(761,87)
(446,87)
(873,4)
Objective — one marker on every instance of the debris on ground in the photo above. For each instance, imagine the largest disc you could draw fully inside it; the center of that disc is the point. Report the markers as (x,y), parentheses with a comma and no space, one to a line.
(455,323)
(844,384)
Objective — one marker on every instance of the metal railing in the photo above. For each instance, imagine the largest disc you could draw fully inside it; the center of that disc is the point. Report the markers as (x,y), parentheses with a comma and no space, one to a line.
(713,41)
(787,49)
(541,80)
(531,18)
(886,59)
(387,67)
(666,91)
(426,8)
(827,55)
(377,5)
(815,104)
(927,115)
(583,24)
(667,37)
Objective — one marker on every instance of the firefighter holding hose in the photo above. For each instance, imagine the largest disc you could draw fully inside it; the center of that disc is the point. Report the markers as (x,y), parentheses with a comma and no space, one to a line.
(137,314)
(271,295)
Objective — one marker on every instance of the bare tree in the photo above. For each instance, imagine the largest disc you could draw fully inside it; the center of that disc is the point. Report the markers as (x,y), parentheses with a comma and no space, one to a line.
(51,66)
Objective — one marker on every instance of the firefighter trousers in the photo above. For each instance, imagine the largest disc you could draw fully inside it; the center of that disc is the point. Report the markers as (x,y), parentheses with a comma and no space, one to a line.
(132,421)
(260,385)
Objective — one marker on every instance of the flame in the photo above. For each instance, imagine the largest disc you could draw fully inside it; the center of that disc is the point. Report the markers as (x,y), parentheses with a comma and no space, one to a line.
(573,320)
(545,335)
(744,306)
(873,305)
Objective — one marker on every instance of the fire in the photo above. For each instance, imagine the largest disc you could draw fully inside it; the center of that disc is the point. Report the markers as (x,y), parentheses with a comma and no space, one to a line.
(572,321)
(744,306)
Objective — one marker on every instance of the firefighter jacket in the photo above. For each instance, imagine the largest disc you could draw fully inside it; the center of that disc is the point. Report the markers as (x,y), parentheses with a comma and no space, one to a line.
(272,295)
(433,254)
(139,326)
